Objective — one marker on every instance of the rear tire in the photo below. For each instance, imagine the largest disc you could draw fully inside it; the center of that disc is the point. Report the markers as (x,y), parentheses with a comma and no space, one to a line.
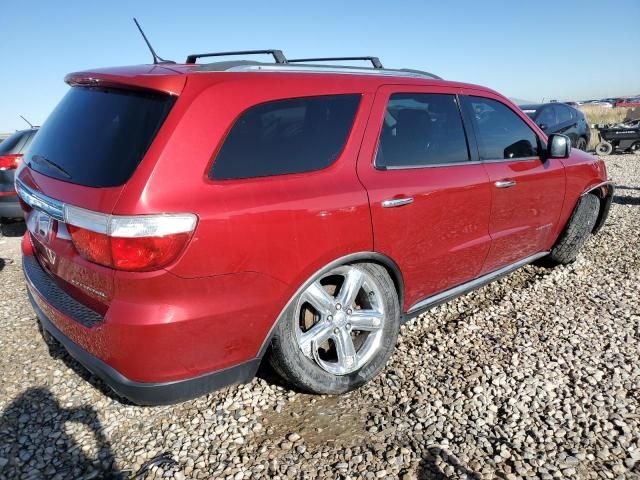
(331,341)
(604,148)
(577,230)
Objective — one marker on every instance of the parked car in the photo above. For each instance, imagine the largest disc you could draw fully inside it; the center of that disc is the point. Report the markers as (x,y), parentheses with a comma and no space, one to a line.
(561,118)
(186,222)
(11,152)
(628,102)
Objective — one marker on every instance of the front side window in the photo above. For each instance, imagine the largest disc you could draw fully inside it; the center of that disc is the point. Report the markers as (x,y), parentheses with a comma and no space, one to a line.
(564,114)
(420,130)
(501,134)
(547,117)
(286,136)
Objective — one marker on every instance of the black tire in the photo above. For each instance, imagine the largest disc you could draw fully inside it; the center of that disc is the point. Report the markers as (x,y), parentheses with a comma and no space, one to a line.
(604,148)
(581,144)
(288,360)
(577,230)
(635,147)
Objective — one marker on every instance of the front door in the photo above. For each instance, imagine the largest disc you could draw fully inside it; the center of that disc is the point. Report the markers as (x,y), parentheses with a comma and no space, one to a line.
(430,197)
(527,190)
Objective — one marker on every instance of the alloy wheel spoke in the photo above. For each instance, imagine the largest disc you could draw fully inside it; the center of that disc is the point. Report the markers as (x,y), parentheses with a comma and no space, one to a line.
(366,320)
(316,335)
(353,281)
(317,296)
(345,349)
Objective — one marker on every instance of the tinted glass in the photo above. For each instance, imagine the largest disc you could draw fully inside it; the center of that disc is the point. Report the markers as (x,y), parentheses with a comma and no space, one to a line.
(501,134)
(13,144)
(547,117)
(97,137)
(422,129)
(286,136)
(564,114)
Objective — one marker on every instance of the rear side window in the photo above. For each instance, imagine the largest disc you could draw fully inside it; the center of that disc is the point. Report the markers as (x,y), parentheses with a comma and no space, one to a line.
(421,130)
(501,134)
(286,136)
(97,136)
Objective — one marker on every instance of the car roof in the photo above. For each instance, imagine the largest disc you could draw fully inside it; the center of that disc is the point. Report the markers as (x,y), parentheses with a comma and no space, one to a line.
(171,78)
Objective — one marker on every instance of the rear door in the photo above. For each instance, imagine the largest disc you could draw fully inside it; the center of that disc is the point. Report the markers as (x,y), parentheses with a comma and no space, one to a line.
(429,196)
(527,191)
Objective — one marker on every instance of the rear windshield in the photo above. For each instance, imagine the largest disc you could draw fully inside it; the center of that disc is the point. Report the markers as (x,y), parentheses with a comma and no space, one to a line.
(97,136)
(10,144)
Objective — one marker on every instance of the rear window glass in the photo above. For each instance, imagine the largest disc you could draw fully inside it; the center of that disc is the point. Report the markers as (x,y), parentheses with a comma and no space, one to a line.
(96,136)
(421,129)
(286,136)
(11,144)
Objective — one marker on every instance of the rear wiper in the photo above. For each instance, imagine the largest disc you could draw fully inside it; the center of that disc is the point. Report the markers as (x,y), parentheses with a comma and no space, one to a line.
(43,160)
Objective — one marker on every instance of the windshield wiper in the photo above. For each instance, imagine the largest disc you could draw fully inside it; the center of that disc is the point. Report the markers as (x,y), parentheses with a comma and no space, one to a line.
(43,160)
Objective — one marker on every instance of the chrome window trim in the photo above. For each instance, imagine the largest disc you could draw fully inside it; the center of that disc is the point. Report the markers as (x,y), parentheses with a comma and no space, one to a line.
(518,159)
(40,201)
(433,165)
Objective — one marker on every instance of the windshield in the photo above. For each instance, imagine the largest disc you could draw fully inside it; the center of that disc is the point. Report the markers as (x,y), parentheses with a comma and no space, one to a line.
(97,136)
(531,113)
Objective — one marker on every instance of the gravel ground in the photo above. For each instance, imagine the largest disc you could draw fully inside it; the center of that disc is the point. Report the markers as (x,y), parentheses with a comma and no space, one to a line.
(536,375)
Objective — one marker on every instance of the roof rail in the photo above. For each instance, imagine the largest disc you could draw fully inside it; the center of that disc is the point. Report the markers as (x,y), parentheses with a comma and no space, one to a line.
(278,56)
(375,61)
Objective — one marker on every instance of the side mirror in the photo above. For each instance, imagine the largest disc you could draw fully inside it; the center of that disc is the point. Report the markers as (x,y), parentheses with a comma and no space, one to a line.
(542,126)
(559,146)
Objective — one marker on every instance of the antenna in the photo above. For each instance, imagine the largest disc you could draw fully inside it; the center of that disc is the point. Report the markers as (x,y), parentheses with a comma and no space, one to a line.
(156,58)
(30,124)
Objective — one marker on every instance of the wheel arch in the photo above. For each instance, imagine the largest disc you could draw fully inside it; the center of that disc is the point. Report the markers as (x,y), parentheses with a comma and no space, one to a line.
(604,191)
(360,257)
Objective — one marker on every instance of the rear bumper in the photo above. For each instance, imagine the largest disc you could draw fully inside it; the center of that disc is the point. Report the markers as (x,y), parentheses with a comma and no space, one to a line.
(87,336)
(146,393)
(10,207)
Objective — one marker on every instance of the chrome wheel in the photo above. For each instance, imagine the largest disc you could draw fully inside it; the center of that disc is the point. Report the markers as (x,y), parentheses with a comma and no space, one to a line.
(340,320)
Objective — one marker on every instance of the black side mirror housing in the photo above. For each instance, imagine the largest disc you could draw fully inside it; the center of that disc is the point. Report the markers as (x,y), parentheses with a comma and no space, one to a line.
(558,146)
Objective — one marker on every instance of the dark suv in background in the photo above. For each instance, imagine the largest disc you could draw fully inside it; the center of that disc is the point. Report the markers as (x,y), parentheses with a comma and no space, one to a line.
(11,151)
(560,118)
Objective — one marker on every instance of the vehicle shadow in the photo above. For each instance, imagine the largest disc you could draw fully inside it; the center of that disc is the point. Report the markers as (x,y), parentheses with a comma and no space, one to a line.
(428,468)
(2,263)
(58,352)
(626,200)
(13,229)
(35,442)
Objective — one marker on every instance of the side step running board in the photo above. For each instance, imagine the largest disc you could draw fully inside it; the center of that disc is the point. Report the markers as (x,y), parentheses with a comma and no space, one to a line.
(454,292)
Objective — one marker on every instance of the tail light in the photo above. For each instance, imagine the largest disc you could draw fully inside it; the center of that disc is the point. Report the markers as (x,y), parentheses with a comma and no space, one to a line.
(133,243)
(9,162)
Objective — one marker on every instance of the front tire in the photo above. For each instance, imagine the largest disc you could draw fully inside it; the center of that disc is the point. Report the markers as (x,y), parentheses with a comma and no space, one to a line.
(339,332)
(577,230)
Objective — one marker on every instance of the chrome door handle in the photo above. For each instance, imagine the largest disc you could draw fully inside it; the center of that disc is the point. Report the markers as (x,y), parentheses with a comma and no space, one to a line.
(505,183)
(397,202)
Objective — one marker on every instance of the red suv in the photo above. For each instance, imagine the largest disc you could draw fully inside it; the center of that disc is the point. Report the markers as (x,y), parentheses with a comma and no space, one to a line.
(187,221)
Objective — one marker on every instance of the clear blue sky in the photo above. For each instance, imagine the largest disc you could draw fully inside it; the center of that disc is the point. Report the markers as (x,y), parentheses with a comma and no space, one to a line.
(567,49)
